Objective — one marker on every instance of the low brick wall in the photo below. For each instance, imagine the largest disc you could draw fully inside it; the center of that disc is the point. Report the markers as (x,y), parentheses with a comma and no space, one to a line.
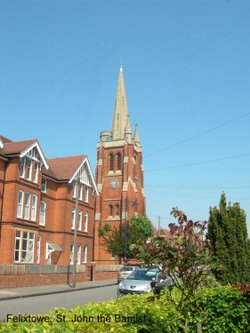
(105,272)
(18,276)
(28,280)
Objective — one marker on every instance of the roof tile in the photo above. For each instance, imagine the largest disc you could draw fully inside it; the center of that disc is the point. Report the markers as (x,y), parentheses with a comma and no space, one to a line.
(64,167)
(17,147)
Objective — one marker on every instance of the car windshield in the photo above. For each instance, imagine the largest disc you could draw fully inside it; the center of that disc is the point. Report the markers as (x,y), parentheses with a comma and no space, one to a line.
(126,269)
(145,275)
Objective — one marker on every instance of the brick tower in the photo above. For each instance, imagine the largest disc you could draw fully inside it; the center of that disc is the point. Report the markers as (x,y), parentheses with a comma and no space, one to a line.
(119,173)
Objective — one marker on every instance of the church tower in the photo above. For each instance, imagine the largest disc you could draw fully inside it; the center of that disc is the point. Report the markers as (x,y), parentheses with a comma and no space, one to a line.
(119,173)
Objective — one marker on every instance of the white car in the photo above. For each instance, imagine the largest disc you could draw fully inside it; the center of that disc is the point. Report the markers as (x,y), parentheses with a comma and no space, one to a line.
(143,280)
(125,271)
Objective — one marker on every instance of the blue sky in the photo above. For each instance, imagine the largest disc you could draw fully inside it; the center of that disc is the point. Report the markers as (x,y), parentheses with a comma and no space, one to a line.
(187,75)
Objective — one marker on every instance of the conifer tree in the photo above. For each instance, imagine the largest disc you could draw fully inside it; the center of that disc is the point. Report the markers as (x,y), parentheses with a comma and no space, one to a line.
(227,232)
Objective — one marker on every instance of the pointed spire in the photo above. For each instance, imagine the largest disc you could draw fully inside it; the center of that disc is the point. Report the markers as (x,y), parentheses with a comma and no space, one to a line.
(128,131)
(120,114)
(136,136)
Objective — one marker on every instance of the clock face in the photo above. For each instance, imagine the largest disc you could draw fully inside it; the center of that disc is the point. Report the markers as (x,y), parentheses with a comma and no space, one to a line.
(114,184)
(108,138)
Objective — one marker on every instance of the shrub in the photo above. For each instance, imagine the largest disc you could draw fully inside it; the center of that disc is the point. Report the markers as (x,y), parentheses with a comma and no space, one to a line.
(226,311)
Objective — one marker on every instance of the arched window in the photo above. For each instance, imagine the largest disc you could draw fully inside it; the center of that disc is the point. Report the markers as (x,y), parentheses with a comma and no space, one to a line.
(110,210)
(111,162)
(119,161)
(117,209)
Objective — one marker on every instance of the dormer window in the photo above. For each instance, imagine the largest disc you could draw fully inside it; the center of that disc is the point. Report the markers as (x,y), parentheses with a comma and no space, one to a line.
(35,176)
(29,169)
(86,199)
(22,166)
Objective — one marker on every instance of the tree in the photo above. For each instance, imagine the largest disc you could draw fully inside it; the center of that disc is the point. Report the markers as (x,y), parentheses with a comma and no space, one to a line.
(184,257)
(227,231)
(138,230)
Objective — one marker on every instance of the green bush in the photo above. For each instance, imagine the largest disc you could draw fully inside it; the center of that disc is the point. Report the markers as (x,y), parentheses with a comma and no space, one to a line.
(156,317)
(226,312)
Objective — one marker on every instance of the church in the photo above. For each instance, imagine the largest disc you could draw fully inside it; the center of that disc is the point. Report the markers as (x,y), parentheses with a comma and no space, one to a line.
(40,208)
(119,173)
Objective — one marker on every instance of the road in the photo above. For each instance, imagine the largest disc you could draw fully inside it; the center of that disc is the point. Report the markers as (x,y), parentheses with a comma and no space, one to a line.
(42,304)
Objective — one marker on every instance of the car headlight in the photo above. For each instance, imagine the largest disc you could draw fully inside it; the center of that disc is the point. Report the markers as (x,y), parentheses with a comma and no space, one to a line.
(120,286)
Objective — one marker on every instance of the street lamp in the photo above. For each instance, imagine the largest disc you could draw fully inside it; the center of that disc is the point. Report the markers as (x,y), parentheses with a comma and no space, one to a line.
(77,187)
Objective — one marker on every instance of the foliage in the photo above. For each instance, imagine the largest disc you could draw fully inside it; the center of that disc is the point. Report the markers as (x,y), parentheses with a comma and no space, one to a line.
(142,226)
(226,308)
(245,289)
(227,232)
(184,257)
(137,230)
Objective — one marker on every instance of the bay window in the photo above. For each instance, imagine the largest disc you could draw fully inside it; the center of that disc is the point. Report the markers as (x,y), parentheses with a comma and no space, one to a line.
(24,247)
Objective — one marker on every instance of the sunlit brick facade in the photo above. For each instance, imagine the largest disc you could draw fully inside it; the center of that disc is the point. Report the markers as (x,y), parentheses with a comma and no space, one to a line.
(37,206)
(119,174)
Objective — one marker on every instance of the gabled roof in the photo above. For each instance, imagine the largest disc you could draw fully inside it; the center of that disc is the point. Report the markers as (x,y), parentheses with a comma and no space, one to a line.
(67,169)
(63,168)
(22,148)
(4,139)
(17,147)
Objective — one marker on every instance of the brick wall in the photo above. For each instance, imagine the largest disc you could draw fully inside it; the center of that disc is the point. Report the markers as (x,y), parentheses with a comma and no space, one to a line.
(33,280)
(19,276)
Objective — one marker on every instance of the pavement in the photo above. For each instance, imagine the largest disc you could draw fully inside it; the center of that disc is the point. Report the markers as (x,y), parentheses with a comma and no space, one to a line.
(12,293)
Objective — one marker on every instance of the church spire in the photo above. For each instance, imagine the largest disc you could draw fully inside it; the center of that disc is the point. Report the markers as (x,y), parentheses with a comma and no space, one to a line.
(136,136)
(120,115)
(128,131)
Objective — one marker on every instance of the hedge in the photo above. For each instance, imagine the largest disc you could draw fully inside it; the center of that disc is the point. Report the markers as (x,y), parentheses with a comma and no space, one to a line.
(227,312)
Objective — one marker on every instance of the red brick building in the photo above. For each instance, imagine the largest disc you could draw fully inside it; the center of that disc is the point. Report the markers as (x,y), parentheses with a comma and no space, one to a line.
(119,173)
(37,206)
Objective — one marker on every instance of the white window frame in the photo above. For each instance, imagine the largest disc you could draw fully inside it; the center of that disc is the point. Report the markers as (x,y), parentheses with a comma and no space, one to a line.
(22,167)
(33,207)
(42,214)
(86,194)
(85,254)
(36,171)
(24,247)
(74,190)
(44,185)
(80,192)
(20,204)
(38,250)
(80,220)
(86,222)
(27,206)
(79,253)
(71,257)
(73,218)
(29,169)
